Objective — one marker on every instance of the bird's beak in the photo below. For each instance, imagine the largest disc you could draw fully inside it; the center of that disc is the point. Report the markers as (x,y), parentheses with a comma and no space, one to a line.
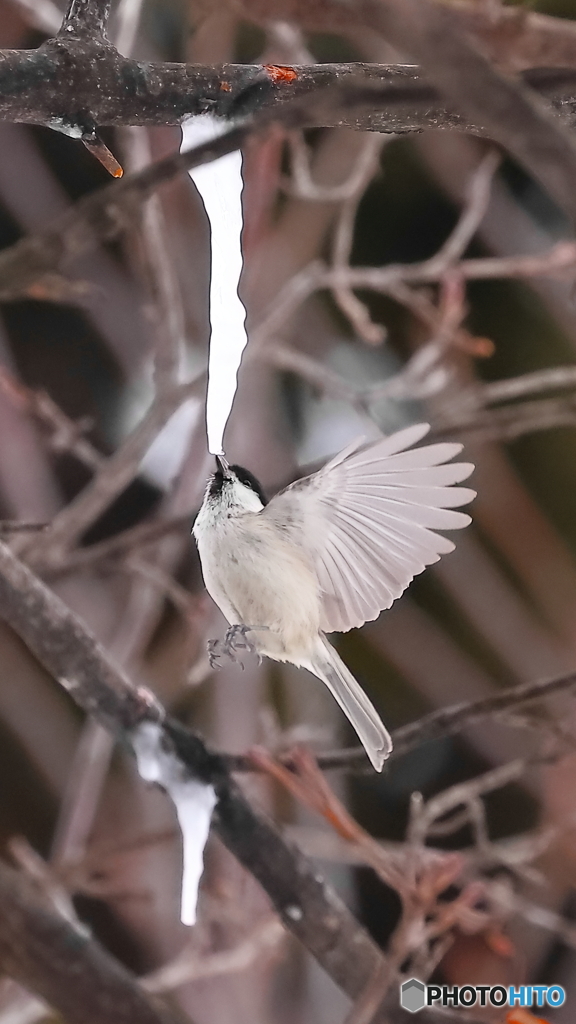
(223,464)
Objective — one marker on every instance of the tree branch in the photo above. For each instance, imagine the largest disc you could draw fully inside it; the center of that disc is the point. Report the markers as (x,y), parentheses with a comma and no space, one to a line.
(62,85)
(444,722)
(308,907)
(86,18)
(68,968)
(509,113)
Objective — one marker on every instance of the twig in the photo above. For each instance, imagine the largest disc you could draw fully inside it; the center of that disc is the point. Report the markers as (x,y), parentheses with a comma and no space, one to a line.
(81,796)
(115,474)
(423,815)
(263,942)
(302,185)
(551,379)
(394,278)
(479,189)
(559,259)
(66,435)
(159,272)
(343,239)
(86,17)
(133,539)
(14,526)
(365,1008)
(444,722)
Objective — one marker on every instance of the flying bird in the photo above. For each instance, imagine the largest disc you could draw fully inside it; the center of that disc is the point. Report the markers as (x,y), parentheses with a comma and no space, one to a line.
(328,553)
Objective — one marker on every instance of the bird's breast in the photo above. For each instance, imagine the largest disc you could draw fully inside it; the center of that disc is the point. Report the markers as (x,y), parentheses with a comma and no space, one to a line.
(258,578)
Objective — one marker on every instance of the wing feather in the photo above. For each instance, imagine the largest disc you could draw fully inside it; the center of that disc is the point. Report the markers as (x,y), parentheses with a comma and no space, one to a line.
(367,521)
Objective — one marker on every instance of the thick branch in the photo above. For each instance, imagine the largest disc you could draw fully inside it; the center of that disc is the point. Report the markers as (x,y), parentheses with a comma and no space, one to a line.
(70,970)
(308,907)
(73,656)
(69,82)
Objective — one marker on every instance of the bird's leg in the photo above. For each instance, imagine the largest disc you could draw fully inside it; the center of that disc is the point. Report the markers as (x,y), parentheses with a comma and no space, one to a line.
(235,640)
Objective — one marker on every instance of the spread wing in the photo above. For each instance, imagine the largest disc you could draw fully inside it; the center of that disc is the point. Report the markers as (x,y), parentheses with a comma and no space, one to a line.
(367,521)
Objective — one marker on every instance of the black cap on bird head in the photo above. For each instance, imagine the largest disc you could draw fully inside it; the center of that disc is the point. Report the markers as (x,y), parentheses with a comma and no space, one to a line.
(224,471)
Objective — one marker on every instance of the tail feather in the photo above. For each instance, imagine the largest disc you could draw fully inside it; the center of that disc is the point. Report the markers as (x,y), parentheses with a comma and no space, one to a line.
(329,667)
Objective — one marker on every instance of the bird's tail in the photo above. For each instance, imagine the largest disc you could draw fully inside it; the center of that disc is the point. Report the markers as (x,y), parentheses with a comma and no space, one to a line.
(329,667)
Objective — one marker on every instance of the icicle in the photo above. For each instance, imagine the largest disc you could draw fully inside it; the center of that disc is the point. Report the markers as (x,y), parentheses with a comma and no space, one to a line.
(220,185)
(194,802)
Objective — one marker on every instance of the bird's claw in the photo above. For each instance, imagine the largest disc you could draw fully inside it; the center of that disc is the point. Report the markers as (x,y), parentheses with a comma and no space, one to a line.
(214,654)
(234,641)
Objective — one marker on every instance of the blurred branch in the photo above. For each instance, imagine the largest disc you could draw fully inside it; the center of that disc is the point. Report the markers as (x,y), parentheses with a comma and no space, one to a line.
(187,966)
(67,650)
(165,304)
(66,435)
(41,14)
(514,37)
(558,259)
(510,113)
(343,240)
(444,722)
(127,23)
(393,278)
(307,906)
(114,548)
(68,968)
(518,38)
(111,479)
(14,526)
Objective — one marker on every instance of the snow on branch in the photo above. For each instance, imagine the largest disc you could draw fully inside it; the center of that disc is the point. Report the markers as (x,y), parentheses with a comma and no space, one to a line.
(194,802)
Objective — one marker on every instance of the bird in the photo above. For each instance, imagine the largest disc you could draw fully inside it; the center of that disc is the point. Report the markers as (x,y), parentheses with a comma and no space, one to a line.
(327,554)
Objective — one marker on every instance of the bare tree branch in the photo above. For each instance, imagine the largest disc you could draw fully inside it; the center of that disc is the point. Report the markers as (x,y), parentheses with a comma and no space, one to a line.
(307,906)
(68,968)
(64,86)
(444,722)
(509,113)
(111,479)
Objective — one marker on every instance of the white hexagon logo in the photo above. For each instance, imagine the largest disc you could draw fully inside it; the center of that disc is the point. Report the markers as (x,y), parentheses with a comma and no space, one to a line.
(413,995)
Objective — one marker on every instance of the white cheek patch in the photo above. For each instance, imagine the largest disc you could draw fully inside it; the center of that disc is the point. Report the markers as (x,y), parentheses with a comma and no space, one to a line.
(220,186)
(250,500)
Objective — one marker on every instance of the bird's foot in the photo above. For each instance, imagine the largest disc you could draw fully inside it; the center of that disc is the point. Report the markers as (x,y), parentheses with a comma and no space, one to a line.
(234,641)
